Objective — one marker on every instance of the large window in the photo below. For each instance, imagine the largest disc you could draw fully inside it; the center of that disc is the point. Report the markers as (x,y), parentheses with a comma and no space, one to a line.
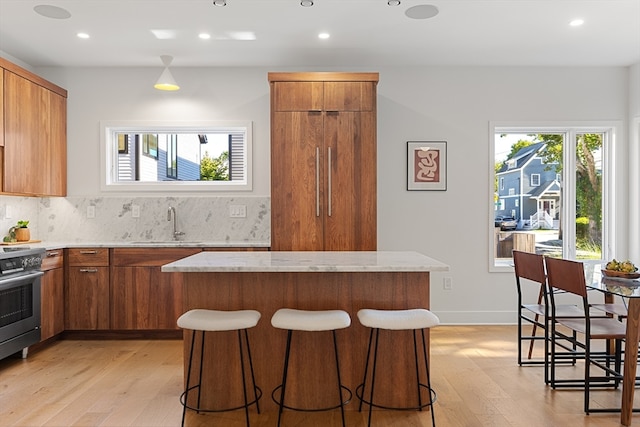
(557,182)
(147,156)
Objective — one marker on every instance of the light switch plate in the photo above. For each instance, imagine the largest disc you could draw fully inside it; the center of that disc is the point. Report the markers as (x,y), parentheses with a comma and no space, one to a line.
(135,211)
(91,211)
(237,211)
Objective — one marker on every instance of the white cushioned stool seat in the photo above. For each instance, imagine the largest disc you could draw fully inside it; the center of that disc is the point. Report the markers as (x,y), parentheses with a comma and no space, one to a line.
(216,320)
(417,318)
(310,320)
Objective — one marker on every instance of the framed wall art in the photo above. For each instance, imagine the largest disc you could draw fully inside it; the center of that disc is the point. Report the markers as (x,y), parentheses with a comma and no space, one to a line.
(426,165)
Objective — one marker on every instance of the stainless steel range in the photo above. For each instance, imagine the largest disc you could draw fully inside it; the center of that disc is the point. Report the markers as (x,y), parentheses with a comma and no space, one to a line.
(20,272)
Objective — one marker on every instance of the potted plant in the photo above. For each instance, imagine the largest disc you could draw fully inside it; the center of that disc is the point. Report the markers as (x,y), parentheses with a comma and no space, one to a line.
(19,232)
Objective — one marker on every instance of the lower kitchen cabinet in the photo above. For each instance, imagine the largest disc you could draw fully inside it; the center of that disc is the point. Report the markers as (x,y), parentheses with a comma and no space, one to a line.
(142,296)
(52,294)
(87,289)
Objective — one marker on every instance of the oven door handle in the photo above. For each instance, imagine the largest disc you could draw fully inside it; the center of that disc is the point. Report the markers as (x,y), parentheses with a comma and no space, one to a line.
(12,282)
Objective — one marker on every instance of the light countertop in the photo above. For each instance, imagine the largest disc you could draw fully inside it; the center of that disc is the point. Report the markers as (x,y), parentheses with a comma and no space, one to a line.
(306,261)
(49,245)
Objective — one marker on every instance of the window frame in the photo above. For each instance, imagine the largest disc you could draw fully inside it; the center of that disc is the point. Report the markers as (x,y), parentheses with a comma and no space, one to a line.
(612,131)
(109,155)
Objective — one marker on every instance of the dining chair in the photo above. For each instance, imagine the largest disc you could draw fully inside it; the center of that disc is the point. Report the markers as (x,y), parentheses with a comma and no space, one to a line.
(530,271)
(569,276)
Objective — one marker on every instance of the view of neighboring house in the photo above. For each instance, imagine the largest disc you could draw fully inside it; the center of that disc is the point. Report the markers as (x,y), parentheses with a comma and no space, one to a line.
(158,157)
(529,189)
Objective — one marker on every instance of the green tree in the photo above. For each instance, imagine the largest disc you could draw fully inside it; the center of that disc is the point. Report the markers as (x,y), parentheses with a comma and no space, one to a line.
(588,177)
(214,169)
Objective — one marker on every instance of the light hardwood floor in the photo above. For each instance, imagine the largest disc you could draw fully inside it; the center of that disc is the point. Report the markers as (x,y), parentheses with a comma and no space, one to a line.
(122,383)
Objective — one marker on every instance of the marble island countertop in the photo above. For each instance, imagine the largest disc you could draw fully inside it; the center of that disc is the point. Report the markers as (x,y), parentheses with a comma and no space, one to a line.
(305,262)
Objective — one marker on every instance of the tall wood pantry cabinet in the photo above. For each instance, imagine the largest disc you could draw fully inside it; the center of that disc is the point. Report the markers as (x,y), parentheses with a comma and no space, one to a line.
(323,161)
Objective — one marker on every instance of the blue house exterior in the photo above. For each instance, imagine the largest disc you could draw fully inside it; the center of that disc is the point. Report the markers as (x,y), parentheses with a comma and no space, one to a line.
(529,189)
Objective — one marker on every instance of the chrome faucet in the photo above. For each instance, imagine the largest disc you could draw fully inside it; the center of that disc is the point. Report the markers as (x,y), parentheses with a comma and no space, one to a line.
(171,214)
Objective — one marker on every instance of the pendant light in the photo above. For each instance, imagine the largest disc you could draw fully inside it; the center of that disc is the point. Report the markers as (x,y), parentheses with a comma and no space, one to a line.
(166,80)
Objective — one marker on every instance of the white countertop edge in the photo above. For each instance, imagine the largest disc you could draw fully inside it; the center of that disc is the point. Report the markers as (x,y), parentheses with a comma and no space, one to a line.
(169,244)
(281,261)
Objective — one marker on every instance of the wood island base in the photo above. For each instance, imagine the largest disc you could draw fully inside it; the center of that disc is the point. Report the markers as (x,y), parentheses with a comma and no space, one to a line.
(312,369)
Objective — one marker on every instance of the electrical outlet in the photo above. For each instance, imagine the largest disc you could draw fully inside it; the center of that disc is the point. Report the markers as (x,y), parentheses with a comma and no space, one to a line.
(237,211)
(135,211)
(447,284)
(8,213)
(91,211)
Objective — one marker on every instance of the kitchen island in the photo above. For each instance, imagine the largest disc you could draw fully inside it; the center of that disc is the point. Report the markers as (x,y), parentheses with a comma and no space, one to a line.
(267,281)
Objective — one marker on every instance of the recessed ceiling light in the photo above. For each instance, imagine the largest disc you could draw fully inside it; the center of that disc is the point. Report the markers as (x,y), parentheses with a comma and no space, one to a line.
(204,36)
(53,12)
(220,2)
(324,35)
(421,11)
(164,34)
(306,3)
(83,35)
(576,22)
(393,2)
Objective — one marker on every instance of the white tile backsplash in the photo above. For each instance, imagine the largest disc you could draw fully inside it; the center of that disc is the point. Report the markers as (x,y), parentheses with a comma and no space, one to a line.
(201,219)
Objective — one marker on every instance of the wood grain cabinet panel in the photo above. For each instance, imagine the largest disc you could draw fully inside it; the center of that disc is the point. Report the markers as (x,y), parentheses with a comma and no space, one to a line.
(142,296)
(34,130)
(87,289)
(52,295)
(323,161)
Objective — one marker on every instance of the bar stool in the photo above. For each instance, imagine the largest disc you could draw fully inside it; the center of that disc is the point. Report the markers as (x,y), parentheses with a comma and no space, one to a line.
(414,319)
(303,320)
(218,321)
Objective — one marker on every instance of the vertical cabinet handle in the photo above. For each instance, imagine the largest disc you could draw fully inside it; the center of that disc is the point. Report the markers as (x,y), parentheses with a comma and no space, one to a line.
(317,181)
(329,179)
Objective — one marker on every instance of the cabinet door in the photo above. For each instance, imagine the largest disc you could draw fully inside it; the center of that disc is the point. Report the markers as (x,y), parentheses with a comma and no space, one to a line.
(350,219)
(87,298)
(1,110)
(297,96)
(349,96)
(27,130)
(145,298)
(57,147)
(297,174)
(52,303)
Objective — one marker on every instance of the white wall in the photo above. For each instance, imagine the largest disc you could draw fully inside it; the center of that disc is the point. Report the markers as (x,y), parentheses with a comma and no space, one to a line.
(454,104)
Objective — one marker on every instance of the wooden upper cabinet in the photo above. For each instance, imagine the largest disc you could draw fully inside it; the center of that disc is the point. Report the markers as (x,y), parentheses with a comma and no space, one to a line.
(57,147)
(34,117)
(1,110)
(323,96)
(349,96)
(298,96)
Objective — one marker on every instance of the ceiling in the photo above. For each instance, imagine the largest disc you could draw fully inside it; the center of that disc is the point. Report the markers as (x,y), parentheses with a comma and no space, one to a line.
(363,33)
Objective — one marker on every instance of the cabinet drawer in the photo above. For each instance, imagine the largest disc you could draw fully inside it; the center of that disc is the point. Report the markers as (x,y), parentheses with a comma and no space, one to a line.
(149,257)
(52,259)
(89,257)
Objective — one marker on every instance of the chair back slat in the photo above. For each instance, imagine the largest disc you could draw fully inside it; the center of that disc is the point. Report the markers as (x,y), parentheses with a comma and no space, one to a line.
(566,275)
(529,266)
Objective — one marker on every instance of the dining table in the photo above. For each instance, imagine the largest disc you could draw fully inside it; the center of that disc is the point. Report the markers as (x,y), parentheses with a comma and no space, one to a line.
(629,290)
